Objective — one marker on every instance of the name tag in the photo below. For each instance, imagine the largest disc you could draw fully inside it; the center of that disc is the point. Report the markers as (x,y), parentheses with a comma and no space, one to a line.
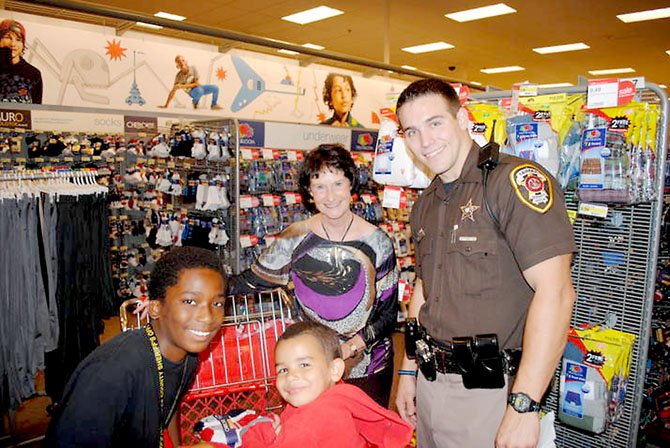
(467,238)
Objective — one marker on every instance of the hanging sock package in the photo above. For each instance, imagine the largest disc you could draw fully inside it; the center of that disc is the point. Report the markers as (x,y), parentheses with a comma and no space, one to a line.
(481,118)
(594,375)
(394,164)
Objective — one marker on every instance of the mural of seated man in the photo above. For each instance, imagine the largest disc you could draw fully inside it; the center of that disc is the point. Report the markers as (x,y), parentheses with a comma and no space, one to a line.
(187,79)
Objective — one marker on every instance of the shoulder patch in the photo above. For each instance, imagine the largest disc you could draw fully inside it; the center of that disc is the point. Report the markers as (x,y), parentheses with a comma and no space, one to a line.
(532,187)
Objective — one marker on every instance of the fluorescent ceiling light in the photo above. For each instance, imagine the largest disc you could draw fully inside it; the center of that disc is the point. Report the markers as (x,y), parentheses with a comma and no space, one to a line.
(556,84)
(291,52)
(313,15)
(511,68)
(151,26)
(476,83)
(651,14)
(425,48)
(408,67)
(561,48)
(313,46)
(611,71)
(663,86)
(668,51)
(480,13)
(167,15)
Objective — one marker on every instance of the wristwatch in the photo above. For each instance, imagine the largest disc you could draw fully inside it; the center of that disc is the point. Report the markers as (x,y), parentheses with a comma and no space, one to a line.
(522,403)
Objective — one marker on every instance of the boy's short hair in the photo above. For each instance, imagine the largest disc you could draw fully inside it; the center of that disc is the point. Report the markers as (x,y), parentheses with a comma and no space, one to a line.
(327,337)
(170,265)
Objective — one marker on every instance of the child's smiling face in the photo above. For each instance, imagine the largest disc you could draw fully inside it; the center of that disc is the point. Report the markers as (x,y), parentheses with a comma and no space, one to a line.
(303,371)
(191,313)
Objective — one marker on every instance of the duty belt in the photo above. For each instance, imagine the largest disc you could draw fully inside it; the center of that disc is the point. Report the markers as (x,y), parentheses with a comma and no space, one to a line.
(445,363)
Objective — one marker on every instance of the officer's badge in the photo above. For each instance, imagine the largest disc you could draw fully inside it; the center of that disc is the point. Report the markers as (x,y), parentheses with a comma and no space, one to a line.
(468,211)
(533,187)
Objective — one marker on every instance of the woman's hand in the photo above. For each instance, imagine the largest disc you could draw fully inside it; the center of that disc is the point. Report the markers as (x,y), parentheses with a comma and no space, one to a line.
(353,347)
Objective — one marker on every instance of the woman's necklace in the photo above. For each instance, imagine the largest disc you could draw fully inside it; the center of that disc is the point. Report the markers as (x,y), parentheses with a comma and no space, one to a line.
(345,232)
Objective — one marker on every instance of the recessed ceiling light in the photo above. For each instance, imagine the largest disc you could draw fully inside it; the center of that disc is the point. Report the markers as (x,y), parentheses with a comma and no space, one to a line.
(313,46)
(651,14)
(510,68)
(408,67)
(480,13)
(561,48)
(151,26)
(167,15)
(556,84)
(312,15)
(611,71)
(425,48)
(476,83)
(285,51)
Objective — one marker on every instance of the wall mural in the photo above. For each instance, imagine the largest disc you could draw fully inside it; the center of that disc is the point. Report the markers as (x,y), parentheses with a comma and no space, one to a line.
(59,62)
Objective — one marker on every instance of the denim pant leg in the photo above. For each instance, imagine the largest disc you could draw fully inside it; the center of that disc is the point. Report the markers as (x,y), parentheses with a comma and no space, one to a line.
(197,93)
(214,90)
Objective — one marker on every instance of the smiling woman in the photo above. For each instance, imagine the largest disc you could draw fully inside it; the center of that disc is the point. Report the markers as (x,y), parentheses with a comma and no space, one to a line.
(342,267)
(20,82)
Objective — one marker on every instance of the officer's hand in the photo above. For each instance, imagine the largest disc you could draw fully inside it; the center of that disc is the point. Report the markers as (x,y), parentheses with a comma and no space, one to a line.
(518,430)
(142,309)
(405,398)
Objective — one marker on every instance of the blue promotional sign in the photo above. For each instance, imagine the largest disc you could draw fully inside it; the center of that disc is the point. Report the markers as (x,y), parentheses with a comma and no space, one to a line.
(252,133)
(363,140)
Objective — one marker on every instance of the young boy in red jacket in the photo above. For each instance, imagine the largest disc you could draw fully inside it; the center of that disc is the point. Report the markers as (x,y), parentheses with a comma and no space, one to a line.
(321,410)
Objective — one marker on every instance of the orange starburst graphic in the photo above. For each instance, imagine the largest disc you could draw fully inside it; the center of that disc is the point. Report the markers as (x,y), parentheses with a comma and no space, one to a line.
(115,50)
(220,74)
(321,117)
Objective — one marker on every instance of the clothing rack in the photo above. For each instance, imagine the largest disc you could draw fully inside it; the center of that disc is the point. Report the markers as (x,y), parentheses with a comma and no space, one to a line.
(14,175)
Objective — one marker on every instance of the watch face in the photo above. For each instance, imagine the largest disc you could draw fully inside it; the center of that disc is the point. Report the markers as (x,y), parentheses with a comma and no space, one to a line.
(521,403)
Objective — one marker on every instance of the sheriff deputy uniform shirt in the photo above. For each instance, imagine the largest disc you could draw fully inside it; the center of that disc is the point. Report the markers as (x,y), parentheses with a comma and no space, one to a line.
(472,275)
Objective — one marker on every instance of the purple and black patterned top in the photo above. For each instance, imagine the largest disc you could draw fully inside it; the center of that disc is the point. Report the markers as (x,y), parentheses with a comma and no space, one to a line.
(349,286)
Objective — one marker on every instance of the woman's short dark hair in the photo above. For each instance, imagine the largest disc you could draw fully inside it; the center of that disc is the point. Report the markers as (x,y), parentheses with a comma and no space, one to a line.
(326,336)
(328,88)
(326,156)
(170,265)
(429,86)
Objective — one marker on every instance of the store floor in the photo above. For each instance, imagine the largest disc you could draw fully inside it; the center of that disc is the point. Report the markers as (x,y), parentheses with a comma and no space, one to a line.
(31,419)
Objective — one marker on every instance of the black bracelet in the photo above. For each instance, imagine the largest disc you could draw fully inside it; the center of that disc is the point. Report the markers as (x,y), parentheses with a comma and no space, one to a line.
(407,372)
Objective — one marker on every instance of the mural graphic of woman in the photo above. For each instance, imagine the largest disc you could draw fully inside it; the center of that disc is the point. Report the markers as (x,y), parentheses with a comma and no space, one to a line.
(339,94)
(20,82)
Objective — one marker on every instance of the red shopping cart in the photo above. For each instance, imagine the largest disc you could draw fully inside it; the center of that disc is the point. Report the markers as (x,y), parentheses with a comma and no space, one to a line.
(237,371)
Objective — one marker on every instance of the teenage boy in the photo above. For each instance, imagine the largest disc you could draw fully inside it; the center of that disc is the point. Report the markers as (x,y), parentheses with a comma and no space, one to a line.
(321,410)
(125,393)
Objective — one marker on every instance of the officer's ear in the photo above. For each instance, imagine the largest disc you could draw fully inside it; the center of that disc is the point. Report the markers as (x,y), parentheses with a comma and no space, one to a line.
(155,307)
(462,118)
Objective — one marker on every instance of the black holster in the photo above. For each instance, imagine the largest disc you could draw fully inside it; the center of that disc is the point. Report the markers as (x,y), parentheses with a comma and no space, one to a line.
(479,360)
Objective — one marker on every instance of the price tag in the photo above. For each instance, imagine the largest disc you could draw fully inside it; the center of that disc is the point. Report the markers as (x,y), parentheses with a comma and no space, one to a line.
(589,209)
(247,153)
(248,201)
(85,159)
(67,159)
(368,156)
(97,158)
(270,154)
(38,159)
(391,197)
(527,89)
(270,200)
(248,241)
(292,155)
(610,92)
(171,165)
(290,198)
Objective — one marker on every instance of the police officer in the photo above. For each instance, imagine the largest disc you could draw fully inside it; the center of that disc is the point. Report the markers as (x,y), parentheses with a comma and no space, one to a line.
(493,253)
